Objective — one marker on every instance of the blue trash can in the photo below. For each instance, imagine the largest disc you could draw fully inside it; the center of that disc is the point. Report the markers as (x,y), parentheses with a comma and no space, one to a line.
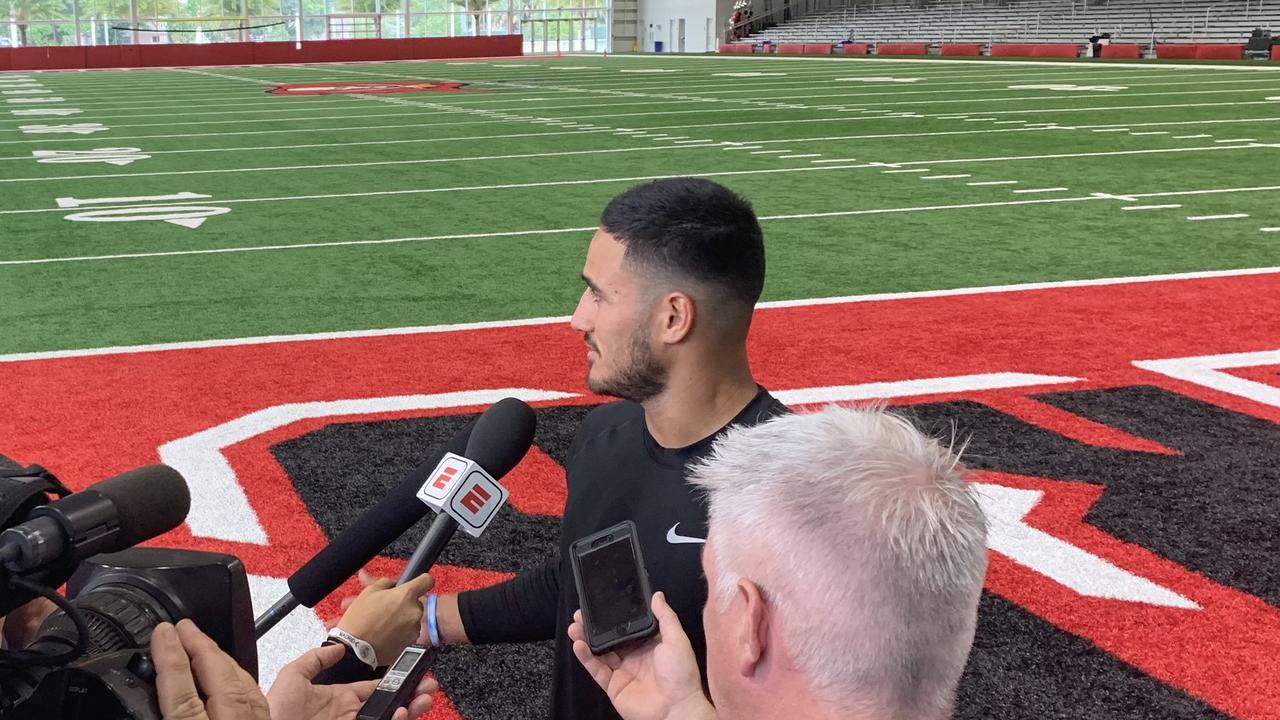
(657,46)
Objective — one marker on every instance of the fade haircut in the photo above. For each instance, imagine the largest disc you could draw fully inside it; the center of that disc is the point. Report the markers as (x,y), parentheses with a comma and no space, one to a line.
(693,229)
(864,536)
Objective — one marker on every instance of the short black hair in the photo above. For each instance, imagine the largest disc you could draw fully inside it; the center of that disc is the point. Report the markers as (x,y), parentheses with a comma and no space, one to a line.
(692,228)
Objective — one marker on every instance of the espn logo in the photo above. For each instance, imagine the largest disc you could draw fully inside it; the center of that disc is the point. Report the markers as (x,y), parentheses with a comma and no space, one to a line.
(451,469)
(465,491)
(476,502)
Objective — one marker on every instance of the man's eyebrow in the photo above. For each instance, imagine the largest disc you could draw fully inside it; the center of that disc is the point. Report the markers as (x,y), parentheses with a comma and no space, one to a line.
(594,287)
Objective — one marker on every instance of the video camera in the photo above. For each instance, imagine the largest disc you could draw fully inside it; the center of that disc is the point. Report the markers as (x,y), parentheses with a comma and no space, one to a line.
(90,659)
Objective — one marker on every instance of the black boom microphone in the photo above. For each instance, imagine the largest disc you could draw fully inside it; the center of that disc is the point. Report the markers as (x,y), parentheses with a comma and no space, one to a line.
(501,438)
(109,516)
(374,530)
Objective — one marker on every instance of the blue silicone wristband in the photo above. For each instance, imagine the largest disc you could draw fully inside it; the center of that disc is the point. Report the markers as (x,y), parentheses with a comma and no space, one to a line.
(433,631)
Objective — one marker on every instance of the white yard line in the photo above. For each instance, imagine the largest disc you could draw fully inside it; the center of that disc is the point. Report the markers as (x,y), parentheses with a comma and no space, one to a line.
(690,126)
(498,324)
(986,183)
(702,174)
(943,177)
(1151,207)
(767,218)
(1041,190)
(1229,216)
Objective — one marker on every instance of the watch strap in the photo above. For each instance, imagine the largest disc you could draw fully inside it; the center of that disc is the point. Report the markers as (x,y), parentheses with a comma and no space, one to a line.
(363,650)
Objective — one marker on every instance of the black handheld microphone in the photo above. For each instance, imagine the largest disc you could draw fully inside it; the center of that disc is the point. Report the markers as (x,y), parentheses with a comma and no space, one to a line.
(109,516)
(500,440)
(355,546)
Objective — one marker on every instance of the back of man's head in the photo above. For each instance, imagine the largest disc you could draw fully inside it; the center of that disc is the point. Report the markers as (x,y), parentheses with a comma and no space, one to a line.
(691,230)
(867,545)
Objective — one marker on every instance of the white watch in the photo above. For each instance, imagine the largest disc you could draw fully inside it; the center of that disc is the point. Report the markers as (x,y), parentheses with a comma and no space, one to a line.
(363,650)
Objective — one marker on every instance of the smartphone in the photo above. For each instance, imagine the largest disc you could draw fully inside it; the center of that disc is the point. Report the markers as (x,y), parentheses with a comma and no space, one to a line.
(613,587)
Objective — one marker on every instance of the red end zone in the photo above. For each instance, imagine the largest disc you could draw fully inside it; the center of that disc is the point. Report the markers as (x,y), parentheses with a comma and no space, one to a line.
(89,417)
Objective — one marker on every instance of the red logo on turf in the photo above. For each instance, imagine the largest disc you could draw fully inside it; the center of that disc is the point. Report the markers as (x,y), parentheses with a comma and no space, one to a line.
(365,88)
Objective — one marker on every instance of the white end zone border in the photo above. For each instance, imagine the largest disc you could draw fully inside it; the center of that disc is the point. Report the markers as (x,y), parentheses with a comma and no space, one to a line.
(1207,371)
(219,507)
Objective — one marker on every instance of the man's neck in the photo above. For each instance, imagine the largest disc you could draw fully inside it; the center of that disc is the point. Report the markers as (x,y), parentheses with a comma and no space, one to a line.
(698,402)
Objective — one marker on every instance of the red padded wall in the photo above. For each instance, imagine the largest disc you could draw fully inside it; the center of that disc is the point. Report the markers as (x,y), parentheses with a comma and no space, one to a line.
(46,58)
(1275,52)
(856,48)
(790,48)
(965,49)
(1220,52)
(62,58)
(1179,51)
(817,48)
(113,56)
(1132,52)
(1062,50)
(902,49)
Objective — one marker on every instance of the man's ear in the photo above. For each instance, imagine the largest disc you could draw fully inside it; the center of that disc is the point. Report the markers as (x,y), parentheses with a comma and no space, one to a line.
(677,315)
(751,631)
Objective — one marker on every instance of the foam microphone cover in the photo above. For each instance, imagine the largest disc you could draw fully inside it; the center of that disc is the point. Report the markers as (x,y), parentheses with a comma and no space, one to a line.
(502,436)
(149,501)
(377,528)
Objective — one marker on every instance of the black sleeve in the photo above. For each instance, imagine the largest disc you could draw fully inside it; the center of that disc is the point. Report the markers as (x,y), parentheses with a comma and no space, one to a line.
(348,669)
(522,609)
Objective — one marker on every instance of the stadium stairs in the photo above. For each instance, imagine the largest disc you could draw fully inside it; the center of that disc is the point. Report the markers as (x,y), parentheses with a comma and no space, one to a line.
(1027,21)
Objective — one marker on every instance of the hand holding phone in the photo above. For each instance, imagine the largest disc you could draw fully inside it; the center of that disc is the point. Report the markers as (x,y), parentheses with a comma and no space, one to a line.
(613,587)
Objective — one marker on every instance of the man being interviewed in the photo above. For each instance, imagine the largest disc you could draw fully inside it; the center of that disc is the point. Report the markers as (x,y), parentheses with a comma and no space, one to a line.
(847,591)
(672,277)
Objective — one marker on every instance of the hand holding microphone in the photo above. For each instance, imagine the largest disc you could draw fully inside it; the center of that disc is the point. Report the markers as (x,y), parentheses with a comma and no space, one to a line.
(385,615)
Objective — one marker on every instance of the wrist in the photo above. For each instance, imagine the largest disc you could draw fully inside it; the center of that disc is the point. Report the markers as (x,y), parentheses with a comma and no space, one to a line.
(429,617)
(694,706)
(359,647)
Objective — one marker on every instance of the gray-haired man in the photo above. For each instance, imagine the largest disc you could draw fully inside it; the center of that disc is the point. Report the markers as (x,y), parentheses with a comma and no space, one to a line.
(845,559)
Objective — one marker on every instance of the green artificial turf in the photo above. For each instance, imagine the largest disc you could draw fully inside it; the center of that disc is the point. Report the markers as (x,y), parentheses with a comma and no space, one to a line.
(425,169)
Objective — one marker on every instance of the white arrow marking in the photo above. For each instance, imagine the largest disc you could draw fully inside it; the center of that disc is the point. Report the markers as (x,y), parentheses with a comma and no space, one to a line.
(1060,561)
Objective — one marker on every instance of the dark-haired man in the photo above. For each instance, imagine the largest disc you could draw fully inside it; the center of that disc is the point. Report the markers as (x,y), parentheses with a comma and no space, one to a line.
(672,277)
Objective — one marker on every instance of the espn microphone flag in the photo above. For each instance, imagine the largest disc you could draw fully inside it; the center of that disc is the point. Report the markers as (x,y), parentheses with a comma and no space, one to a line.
(463,490)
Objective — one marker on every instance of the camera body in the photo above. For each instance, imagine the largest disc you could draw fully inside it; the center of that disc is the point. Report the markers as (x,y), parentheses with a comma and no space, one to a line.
(122,597)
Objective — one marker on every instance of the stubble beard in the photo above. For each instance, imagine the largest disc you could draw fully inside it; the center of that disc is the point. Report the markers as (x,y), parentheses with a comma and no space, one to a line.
(641,379)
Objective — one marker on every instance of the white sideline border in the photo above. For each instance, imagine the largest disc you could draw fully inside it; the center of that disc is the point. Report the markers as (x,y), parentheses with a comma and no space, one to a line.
(525,322)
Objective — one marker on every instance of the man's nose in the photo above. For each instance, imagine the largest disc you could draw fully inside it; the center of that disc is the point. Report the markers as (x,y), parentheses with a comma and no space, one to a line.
(581,315)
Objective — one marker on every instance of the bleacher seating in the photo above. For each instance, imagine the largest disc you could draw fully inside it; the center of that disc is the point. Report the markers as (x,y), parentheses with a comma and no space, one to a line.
(1026,21)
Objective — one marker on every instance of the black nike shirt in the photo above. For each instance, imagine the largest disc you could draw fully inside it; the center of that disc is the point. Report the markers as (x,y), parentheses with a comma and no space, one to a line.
(615,471)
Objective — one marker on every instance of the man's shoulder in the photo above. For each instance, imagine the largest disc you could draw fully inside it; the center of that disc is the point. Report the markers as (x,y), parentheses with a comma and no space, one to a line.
(605,421)
(610,414)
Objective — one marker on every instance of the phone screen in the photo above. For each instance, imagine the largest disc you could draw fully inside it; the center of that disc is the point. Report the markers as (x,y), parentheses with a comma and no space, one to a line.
(614,596)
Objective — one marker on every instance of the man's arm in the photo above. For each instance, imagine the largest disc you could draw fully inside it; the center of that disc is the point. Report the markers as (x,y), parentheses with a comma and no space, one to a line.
(522,609)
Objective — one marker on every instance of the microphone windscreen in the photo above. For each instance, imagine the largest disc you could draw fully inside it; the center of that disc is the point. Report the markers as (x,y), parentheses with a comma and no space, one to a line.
(502,436)
(377,528)
(149,501)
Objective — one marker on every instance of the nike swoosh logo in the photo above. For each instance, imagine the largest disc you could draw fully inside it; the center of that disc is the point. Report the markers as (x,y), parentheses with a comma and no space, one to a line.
(675,539)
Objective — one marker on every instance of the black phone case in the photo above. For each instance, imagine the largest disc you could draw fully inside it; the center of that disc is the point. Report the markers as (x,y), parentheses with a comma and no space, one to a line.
(601,643)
